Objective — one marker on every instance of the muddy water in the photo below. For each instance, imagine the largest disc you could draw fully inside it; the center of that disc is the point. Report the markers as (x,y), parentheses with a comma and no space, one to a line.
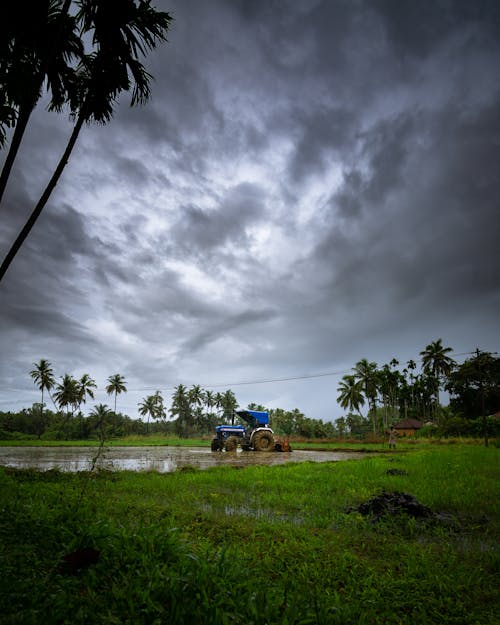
(161,459)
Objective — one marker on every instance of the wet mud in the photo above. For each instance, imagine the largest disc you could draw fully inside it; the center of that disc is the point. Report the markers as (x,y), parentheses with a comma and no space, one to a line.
(160,459)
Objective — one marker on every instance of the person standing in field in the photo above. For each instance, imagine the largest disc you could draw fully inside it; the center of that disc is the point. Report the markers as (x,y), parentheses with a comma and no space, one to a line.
(392,438)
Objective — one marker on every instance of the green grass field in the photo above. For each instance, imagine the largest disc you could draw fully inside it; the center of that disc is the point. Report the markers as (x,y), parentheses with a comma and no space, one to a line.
(258,545)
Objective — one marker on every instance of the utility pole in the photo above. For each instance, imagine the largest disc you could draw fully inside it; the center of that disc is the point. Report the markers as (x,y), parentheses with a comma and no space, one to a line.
(481,394)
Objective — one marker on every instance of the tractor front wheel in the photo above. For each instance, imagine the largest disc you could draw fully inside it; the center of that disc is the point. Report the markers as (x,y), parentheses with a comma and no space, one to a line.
(231,443)
(216,445)
(263,441)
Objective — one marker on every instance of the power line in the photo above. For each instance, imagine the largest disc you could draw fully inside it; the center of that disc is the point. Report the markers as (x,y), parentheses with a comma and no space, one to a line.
(306,376)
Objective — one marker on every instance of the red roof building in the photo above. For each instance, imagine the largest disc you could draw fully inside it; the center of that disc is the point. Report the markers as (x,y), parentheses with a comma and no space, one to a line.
(408,427)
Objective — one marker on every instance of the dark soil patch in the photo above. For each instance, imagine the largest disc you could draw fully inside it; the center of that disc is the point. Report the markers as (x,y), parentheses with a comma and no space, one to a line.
(396,472)
(394,504)
(73,563)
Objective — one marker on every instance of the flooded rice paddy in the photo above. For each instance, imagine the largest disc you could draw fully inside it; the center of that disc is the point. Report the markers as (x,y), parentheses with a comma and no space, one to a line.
(160,459)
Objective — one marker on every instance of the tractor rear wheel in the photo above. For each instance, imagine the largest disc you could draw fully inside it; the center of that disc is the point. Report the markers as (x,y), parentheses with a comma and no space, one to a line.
(231,443)
(263,441)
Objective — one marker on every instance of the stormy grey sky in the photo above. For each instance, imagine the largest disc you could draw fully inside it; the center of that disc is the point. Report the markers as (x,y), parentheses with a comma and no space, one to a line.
(313,182)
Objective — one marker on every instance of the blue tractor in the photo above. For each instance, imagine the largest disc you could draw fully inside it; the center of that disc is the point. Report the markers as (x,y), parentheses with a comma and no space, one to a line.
(255,436)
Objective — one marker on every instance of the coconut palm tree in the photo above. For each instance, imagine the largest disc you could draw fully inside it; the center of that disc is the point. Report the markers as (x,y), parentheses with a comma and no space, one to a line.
(228,404)
(67,393)
(121,31)
(152,407)
(351,394)
(210,400)
(367,374)
(100,415)
(210,404)
(116,385)
(160,412)
(86,386)
(196,395)
(39,44)
(436,362)
(43,375)
(181,407)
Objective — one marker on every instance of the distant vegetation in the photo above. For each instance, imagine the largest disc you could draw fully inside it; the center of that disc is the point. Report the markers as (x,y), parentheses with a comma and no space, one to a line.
(387,394)
(392,393)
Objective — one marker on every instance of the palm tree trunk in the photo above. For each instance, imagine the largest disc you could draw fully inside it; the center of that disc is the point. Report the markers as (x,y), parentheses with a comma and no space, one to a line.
(374,409)
(52,399)
(43,199)
(41,417)
(17,137)
(25,113)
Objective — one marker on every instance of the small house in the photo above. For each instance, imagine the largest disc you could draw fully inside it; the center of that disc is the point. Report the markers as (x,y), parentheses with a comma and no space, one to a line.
(408,427)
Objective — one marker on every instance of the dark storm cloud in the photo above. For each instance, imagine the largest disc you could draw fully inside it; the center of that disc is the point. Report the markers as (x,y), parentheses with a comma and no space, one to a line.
(323,133)
(417,28)
(310,184)
(131,171)
(227,325)
(202,230)
(423,219)
(43,277)
(42,298)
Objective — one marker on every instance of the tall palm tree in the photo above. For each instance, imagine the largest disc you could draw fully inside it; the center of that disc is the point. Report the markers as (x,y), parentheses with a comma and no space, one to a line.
(43,375)
(181,407)
(40,42)
(436,362)
(116,385)
(121,31)
(196,395)
(210,400)
(435,358)
(351,394)
(197,398)
(152,407)
(67,393)
(86,386)
(100,415)
(160,412)
(366,373)
(229,404)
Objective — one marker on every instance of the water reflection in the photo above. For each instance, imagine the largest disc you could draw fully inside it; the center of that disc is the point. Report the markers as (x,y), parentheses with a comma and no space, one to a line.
(160,459)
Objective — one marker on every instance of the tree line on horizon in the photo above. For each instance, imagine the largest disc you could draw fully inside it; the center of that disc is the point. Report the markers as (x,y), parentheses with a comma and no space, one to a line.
(388,394)
(401,394)
(391,394)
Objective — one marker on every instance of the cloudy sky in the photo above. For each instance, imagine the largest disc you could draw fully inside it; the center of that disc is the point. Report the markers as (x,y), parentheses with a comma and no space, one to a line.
(313,182)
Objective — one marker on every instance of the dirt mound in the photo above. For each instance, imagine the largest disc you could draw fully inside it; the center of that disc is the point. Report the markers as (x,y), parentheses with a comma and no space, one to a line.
(394,503)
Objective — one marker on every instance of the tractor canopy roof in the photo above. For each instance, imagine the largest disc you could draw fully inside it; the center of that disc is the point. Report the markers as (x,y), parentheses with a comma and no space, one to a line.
(254,418)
